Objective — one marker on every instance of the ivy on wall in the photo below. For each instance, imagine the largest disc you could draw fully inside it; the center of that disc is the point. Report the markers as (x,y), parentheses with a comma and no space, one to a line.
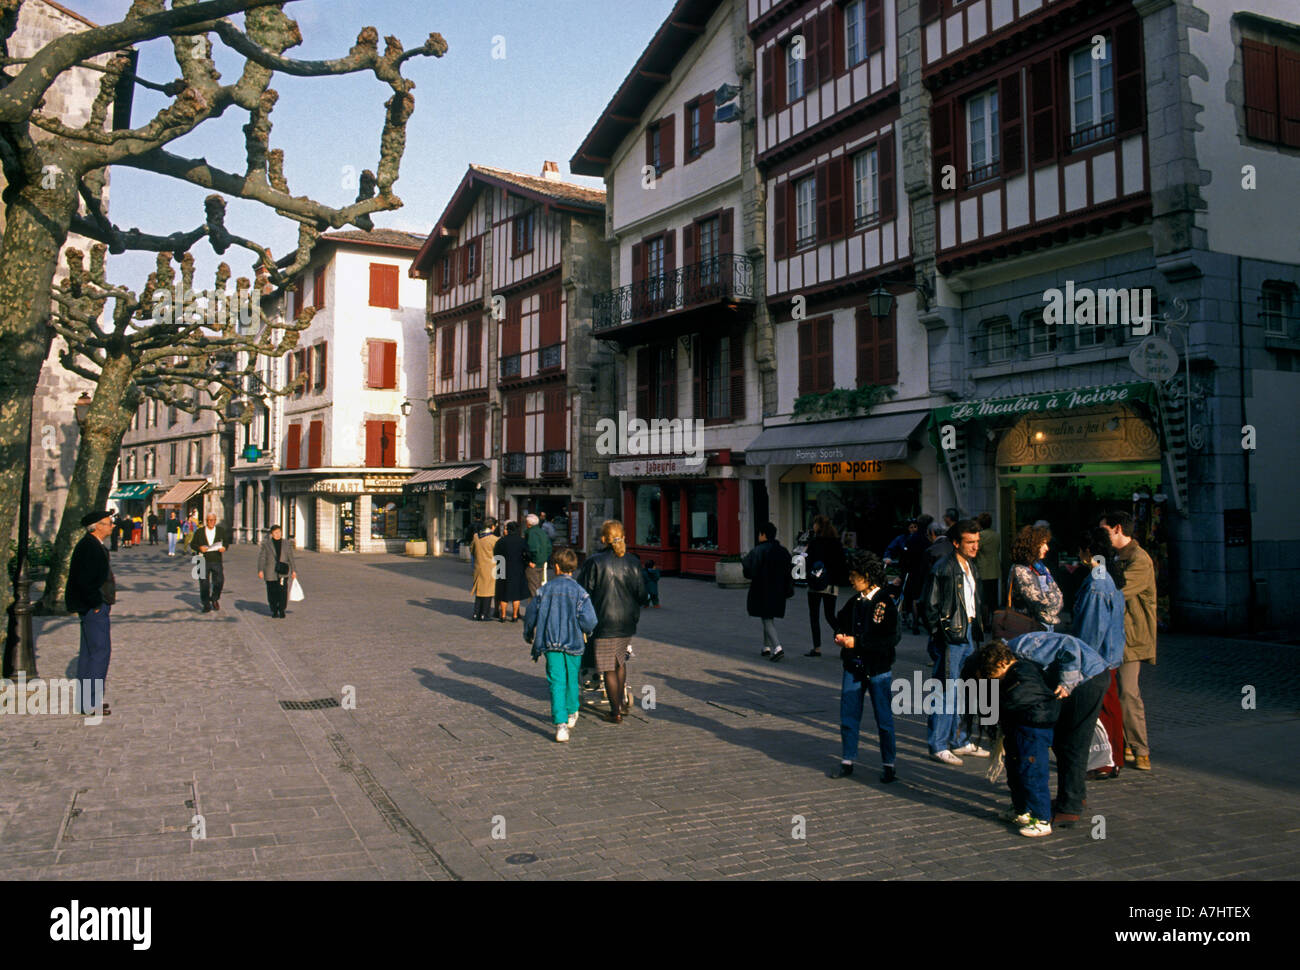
(842,400)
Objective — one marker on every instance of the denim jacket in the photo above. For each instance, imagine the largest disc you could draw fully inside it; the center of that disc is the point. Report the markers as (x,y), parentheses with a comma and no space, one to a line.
(558,616)
(1099,616)
(1075,660)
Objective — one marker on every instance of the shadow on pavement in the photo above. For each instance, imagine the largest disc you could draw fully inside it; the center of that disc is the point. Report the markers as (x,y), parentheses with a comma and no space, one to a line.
(484,700)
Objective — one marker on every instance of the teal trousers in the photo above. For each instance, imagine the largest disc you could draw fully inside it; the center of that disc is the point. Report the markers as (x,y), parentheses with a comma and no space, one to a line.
(562,672)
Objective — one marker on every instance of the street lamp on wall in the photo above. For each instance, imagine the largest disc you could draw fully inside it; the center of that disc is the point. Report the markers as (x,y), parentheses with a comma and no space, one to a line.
(881,302)
(406,409)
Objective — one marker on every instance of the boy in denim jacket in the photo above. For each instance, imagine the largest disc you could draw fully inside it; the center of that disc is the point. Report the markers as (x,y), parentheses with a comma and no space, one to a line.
(555,623)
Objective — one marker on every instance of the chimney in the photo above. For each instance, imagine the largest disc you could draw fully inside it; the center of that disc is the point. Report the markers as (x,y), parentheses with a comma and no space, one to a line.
(551,171)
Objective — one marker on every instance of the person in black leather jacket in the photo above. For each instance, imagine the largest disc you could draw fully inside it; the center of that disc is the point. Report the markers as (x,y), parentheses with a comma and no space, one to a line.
(951,604)
(616,581)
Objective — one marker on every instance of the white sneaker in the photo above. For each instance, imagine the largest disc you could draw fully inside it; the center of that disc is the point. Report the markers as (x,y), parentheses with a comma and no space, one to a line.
(1009,814)
(573,719)
(947,757)
(972,749)
(1036,828)
(562,732)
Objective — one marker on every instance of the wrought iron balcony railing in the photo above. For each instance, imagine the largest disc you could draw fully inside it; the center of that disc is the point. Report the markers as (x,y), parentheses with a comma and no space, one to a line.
(555,462)
(516,463)
(729,277)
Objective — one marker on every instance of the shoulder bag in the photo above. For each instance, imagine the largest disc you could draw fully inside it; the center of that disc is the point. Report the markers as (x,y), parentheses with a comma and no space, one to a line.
(1008,623)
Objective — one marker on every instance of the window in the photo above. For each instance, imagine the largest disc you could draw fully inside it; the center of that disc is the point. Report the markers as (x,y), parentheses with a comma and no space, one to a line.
(1087,337)
(1092,96)
(1276,303)
(877,345)
(381,444)
(470,260)
(198,457)
(656,381)
(383,286)
(866,187)
(446,274)
(654,261)
(522,236)
(295,299)
(794,71)
(318,289)
(382,366)
(474,347)
(648,509)
(555,431)
(655,150)
(702,502)
(1272,93)
(171,415)
(321,351)
(659,144)
(805,211)
(1043,337)
(720,378)
(693,128)
(816,373)
(172,460)
(855,32)
(706,250)
(999,341)
(982,136)
(699,126)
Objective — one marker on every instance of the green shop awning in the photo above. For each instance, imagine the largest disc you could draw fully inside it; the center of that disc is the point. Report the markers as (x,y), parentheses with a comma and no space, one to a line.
(1068,399)
(133,492)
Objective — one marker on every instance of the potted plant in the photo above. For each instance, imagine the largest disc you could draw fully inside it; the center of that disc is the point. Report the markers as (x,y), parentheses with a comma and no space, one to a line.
(730,574)
(417,547)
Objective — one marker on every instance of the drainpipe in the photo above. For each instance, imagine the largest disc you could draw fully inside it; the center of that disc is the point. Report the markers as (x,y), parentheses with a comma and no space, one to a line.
(1245,459)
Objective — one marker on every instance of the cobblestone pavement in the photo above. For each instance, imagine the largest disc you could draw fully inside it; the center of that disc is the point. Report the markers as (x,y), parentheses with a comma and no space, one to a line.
(450,746)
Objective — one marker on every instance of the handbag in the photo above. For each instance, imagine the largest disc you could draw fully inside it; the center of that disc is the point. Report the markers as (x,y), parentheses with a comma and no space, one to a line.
(282,569)
(296,594)
(1009,624)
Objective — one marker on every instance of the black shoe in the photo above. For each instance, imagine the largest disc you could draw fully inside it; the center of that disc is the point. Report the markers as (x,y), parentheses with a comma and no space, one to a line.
(888,774)
(501,619)
(814,652)
(843,771)
(778,655)
(207,609)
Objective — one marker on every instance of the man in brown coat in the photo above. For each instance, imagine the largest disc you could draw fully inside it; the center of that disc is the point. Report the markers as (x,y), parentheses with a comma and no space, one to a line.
(1139,630)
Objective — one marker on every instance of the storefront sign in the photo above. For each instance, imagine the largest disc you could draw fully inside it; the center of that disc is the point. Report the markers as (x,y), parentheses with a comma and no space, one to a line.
(1154,359)
(657,468)
(851,471)
(590,476)
(384,483)
(1028,404)
(338,486)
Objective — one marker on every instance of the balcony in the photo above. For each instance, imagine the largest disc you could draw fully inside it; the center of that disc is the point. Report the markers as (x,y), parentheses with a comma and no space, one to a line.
(511,366)
(514,464)
(723,281)
(550,357)
(555,462)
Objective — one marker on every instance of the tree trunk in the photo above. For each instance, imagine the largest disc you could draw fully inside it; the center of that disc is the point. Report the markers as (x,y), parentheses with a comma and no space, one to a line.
(36,226)
(111,409)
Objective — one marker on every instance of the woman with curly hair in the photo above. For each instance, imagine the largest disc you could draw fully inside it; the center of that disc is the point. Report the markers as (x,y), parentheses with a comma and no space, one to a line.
(616,582)
(1033,590)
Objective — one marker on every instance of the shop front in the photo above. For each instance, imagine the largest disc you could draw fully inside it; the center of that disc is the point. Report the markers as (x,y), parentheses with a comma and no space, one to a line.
(684,516)
(133,497)
(452,498)
(350,513)
(185,496)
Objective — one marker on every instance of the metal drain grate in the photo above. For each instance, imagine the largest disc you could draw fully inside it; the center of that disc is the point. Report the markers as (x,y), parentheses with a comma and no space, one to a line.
(316,705)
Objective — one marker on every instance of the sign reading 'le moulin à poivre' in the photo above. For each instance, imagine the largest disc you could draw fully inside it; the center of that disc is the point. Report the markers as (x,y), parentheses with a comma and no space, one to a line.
(1067,400)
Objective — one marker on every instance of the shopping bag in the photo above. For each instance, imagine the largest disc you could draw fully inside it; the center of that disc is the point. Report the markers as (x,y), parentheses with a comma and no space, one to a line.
(296,594)
(1100,754)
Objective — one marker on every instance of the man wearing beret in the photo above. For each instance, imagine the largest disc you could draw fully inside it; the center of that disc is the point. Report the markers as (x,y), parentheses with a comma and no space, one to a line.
(90,594)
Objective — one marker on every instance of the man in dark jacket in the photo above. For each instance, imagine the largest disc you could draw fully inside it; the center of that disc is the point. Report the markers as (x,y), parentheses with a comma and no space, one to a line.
(951,602)
(767,566)
(90,593)
(868,635)
(210,540)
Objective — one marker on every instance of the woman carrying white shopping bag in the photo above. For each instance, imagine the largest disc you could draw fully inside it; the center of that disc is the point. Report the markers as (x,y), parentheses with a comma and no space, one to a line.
(296,594)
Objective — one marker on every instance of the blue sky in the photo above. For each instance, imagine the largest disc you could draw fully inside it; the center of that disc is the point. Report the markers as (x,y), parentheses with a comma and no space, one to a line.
(563,61)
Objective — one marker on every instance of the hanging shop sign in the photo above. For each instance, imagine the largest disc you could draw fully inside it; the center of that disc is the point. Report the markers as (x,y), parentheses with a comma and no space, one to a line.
(1154,359)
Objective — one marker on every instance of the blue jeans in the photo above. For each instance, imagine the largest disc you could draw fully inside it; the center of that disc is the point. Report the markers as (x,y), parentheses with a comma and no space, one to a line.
(1027,772)
(92,661)
(945,730)
(853,694)
(171,543)
(562,672)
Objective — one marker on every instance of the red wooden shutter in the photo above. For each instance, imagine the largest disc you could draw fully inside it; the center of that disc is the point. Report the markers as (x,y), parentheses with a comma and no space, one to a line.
(833,173)
(942,117)
(383,286)
(1288,97)
(650,143)
(706,121)
(390,364)
(295,303)
(866,345)
(376,285)
(1130,91)
(821,186)
(511,330)
(875,24)
(665,374)
(667,146)
(1012,124)
(837,32)
(808,30)
(825,377)
(769,80)
(550,324)
(477,428)
(322,364)
(826,46)
(448,351)
(1259,62)
(670,265)
(388,441)
(638,263)
(374,449)
(451,436)
(318,289)
(293,446)
(314,434)
(737,360)
(643,381)
(555,423)
(515,436)
(698,358)
(807,373)
(374,363)
(779,229)
(726,232)
(929,10)
(474,346)
(885,176)
(887,348)
(1042,111)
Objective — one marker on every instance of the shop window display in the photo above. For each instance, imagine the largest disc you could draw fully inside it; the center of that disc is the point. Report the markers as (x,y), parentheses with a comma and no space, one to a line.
(703,506)
(648,504)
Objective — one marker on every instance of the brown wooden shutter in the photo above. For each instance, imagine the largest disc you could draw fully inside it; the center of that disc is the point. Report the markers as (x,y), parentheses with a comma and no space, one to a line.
(556,421)
(887,348)
(727,232)
(665,374)
(825,376)
(650,143)
(511,330)
(315,433)
(448,351)
(942,149)
(1043,134)
(769,80)
(1259,62)
(875,21)
(706,121)
(807,370)
(780,203)
(670,265)
(838,33)
(451,436)
(1130,90)
(822,185)
(474,346)
(477,429)
(1011,121)
(1288,97)
(929,10)
(833,173)
(295,301)
(549,328)
(516,439)
(736,357)
(865,325)
(293,446)
(374,449)
(322,364)
(885,176)
(643,381)
(698,357)
(390,364)
(638,262)
(667,146)
(318,289)
(388,441)
(826,46)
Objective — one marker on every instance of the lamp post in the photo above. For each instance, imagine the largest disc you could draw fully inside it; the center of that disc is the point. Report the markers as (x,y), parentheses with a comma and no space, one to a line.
(19,650)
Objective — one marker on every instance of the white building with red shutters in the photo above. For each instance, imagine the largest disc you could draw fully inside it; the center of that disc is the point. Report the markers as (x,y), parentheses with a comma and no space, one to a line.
(515,377)
(337,451)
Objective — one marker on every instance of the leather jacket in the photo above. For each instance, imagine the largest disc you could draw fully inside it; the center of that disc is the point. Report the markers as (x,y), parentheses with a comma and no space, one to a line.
(617,588)
(944,603)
